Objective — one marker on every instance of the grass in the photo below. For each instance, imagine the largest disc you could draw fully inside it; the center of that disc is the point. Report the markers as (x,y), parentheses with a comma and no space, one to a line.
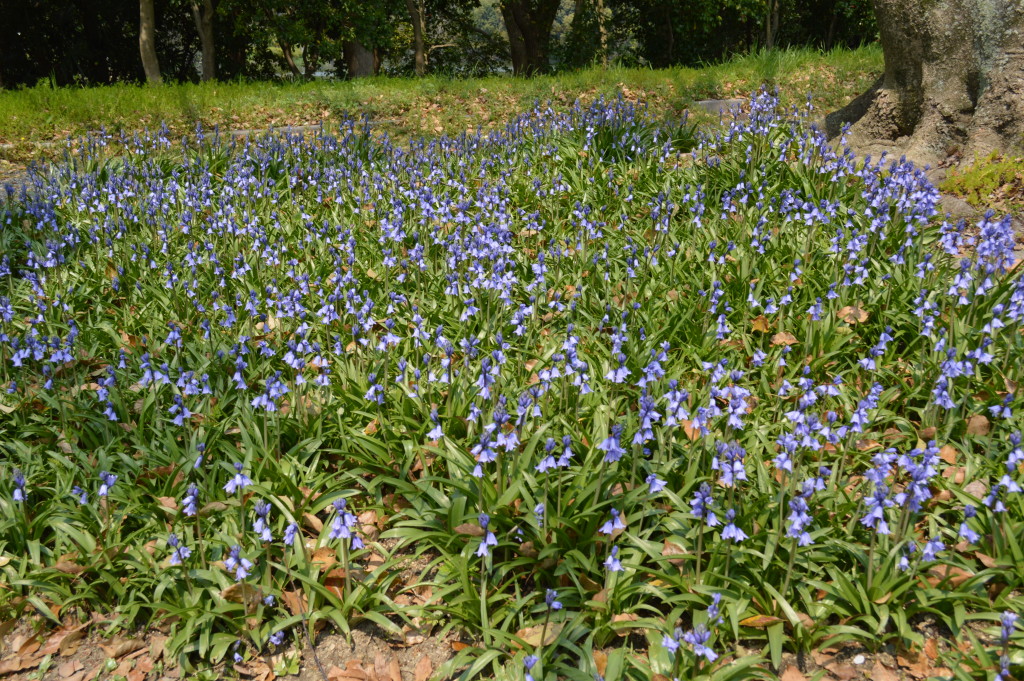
(407,106)
(596,393)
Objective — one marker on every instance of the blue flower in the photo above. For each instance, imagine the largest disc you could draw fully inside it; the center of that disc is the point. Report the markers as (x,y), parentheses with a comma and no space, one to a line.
(613,523)
(612,561)
(238,481)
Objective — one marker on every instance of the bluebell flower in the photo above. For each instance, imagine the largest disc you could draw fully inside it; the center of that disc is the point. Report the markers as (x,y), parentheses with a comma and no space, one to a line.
(489,539)
(1008,621)
(612,561)
(107,481)
(190,499)
(551,599)
(179,552)
(235,563)
(655,484)
(19,486)
(700,505)
(611,447)
(730,530)
(698,639)
(239,481)
(261,526)
(613,523)
(289,534)
(530,662)
(343,525)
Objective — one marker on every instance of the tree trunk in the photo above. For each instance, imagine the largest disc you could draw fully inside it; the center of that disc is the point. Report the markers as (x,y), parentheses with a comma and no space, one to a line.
(202,14)
(361,61)
(416,16)
(147,41)
(953,81)
(528,23)
(289,58)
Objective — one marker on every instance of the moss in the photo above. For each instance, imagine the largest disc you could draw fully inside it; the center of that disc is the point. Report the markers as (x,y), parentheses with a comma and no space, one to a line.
(995,181)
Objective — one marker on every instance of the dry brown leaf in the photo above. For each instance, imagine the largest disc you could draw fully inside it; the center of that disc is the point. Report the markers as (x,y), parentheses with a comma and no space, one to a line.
(118,648)
(842,670)
(423,669)
(948,454)
(459,646)
(851,314)
(622,618)
(18,664)
(760,323)
(69,668)
(243,593)
(470,529)
(879,672)
(978,425)
(931,649)
(792,674)
(949,575)
(69,568)
(371,427)
(760,621)
(380,667)
(353,671)
(531,635)
(601,662)
(784,338)
(324,557)
(986,560)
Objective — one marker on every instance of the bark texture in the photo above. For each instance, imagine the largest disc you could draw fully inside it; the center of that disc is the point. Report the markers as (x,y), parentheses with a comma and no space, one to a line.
(953,81)
(202,14)
(415,8)
(361,61)
(528,23)
(147,41)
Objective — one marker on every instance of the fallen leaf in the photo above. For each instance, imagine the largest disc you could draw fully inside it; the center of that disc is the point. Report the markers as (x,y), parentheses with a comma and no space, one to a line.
(295,601)
(851,314)
(601,662)
(353,671)
(792,674)
(121,647)
(842,670)
(18,664)
(243,593)
(531,635)
(380,667)
(760,323)
(423,669)
(760,621)
(879,672)
(948,454)
(470,529)
(784,338)
(978,425)
(931,649)
(69,668)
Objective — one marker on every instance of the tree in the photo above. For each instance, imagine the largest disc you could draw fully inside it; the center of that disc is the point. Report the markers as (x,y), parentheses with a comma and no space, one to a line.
(416,17)
(147,41)
(953,80)
(528,23)
(202,14)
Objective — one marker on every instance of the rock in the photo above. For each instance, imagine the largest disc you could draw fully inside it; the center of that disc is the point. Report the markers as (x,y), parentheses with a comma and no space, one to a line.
(957,208)
(936,176)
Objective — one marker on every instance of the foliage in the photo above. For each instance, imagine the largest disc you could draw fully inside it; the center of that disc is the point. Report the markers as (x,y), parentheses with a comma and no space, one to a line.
(640,400)
(996,180)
